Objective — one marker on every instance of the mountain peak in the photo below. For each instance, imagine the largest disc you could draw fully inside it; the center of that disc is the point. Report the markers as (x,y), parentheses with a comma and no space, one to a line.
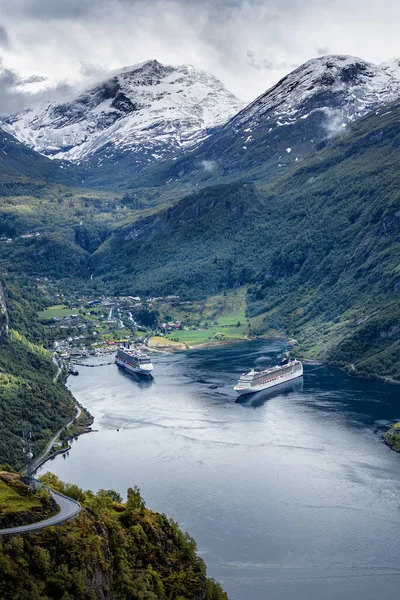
(148,110)
(286,123)
(326,83)
(147,64)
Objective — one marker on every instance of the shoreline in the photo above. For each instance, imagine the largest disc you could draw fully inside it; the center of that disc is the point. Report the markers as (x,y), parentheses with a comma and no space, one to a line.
(47,454)
(210,344)
(290,343)
(392,437)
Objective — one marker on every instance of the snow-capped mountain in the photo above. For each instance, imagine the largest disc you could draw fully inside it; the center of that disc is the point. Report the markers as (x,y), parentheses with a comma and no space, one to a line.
(316,100)
(346,84)
(149,110)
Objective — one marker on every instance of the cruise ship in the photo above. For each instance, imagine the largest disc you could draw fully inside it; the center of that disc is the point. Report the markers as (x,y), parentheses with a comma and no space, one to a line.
(134,360)
(255,381)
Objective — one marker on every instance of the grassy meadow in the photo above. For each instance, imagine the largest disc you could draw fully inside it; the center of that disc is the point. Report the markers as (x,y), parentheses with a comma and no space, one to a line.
(221,317)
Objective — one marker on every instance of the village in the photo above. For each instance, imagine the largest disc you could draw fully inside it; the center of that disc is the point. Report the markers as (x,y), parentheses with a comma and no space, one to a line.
(84,324)
(88,326)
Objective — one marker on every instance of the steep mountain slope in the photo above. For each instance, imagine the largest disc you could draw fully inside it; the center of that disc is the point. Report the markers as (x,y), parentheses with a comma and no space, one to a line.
(155,125)
(194,246)
(28,392)
(148,111)
(17,159)
(320,246)
(281,127)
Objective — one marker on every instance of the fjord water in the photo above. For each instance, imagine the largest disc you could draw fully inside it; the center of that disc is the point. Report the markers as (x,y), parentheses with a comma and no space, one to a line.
(288,495)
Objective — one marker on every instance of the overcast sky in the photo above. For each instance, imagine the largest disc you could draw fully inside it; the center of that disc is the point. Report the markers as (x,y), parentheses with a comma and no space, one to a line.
(56,46)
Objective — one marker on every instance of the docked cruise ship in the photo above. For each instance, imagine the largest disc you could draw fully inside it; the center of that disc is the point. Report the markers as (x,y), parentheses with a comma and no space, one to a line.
(134,360)
(255,381)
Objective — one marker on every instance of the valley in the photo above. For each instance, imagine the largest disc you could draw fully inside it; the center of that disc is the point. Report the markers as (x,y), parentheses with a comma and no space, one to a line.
(324,223)
(156,208)
(91,325)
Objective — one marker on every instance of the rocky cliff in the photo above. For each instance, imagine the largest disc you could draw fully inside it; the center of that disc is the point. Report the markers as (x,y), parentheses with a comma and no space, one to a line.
(3,312)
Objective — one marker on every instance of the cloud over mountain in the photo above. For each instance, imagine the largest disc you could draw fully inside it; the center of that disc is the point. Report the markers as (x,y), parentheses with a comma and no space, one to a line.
(248,44)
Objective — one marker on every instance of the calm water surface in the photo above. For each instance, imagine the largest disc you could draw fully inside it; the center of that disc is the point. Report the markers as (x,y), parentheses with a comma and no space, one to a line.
(291,495)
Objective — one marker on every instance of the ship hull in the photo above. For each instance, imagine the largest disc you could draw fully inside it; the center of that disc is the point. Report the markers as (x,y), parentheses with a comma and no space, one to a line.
(130,367)
(270,384)
(259,398)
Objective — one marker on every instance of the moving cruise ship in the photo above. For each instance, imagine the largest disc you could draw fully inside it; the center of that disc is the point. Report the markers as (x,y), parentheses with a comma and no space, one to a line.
(134,360)
(255,381)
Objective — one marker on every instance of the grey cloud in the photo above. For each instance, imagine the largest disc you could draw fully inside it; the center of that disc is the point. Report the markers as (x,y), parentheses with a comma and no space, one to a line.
(4,39)
(209,165)
(248,44)
(51,9)
(334,122)
(268,63)
(71,10)
(14,99)
(93,72)
(32,79)
(323,51)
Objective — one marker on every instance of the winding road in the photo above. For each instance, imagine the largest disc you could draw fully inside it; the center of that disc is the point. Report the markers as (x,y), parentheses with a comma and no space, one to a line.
(68,510)
(42,458)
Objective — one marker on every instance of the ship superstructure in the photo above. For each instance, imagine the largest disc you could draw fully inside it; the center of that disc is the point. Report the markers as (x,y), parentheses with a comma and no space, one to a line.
(255,381)
(134,360)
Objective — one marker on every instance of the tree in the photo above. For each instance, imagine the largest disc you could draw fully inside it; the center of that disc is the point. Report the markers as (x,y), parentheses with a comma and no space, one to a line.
(135,500)
(115,497)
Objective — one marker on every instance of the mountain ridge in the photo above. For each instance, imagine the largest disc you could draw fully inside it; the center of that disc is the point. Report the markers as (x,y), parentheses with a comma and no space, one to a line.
(149,110)
(156,125)
(286,124)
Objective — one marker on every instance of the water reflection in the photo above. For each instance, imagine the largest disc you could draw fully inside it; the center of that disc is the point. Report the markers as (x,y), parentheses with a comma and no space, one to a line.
(143,381)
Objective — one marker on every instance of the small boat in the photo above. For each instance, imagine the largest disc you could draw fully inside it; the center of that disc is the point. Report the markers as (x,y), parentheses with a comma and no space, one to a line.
(255,381)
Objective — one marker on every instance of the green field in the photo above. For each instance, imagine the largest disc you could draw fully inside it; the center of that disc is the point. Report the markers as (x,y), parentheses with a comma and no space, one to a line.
(158,341)
(114,335)
(219,318)
(14,498)
(203,336)
(57,311)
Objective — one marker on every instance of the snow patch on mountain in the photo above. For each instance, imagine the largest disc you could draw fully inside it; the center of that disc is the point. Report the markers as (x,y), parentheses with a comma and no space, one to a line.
(149,109)
(341,88)
(392,67)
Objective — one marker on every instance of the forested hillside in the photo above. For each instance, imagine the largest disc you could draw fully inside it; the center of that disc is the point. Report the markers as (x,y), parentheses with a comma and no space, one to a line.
(28,393)
(49,229)
(198,246)
(333,276)
(112,551)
